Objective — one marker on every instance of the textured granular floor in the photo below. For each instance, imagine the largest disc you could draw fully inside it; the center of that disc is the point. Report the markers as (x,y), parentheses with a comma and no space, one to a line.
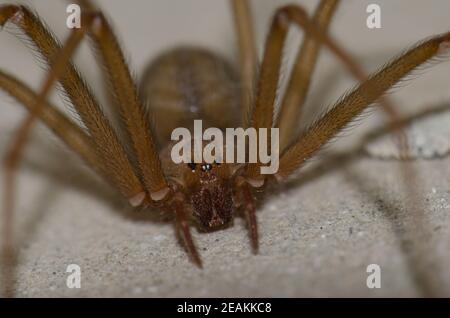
(318,236)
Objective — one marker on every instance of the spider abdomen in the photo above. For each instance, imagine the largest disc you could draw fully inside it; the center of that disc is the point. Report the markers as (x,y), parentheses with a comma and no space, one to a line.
(184,84)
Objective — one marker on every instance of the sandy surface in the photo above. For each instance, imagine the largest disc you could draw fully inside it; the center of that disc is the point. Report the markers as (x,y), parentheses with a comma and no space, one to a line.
(317,236)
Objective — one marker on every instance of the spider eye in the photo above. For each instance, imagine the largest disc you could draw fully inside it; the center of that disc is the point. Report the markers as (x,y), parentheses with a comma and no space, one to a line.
(192,166)
(206,167)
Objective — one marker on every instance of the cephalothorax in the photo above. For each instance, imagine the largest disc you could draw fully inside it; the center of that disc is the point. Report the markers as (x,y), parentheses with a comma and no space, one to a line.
(185,84)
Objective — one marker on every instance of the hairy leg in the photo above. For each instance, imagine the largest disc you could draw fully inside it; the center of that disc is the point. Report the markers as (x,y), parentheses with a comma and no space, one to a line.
(248,58)
(108,147)
(356,101)
(250,213)
(63,127)
(182,225)
(300,79)
(131,107)
(74,137)
(299,82)
(270,69)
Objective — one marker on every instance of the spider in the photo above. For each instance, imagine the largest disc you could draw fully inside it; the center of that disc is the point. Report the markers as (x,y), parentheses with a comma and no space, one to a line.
(190,83)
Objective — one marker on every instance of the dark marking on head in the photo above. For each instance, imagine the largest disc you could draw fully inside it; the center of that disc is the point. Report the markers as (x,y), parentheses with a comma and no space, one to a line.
(213,205)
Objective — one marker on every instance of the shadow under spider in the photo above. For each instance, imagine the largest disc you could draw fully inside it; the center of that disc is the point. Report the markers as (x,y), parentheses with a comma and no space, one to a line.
(410,228)
(28,230)
(418,257)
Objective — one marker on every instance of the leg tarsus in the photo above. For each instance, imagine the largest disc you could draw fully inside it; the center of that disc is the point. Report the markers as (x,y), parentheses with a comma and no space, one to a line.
(185,232)
(250,213)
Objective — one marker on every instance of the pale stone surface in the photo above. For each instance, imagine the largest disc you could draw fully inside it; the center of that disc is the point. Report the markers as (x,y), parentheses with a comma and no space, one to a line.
(427,138)
(317,236)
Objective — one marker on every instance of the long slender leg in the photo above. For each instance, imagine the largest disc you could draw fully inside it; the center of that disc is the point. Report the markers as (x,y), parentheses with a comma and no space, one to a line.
(60,124)
(300,79)
(247,56)
(132,109)
(109,150)
(355,102)
(299,82)
(71,134)
(185,232)
(269,75)
(107,145)
(250,213)
(263,111)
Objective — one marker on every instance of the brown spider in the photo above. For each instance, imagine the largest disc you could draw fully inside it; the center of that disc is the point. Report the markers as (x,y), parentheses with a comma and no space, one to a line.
(187,84)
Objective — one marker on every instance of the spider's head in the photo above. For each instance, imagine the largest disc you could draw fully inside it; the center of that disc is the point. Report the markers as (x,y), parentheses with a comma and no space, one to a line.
(211,196)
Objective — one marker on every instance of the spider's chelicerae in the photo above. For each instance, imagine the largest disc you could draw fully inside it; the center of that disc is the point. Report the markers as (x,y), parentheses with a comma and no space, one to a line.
(191,83)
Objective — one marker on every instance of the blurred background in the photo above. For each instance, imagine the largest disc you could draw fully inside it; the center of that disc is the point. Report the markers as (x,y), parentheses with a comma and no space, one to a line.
(316,239)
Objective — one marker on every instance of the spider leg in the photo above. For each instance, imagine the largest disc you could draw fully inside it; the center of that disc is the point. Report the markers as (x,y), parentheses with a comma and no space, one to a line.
(70,133)
(108,149)
(270,69)
(250,213)
(107,145)
(247,56)
(300,78)
(182,225)
(263,111)
(131,107)
(299,82)
(356,101)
